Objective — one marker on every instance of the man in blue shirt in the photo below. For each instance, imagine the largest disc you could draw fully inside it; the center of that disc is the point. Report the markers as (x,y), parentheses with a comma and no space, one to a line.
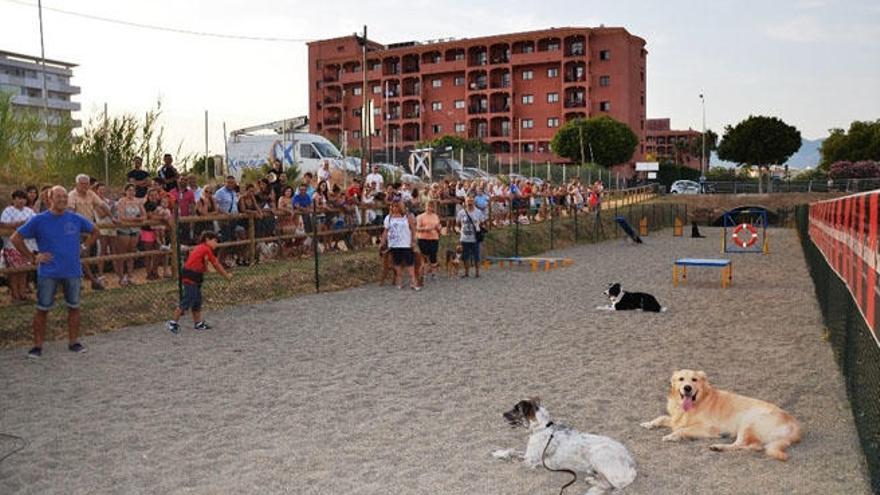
(302,200)
(57,232)
(226,198)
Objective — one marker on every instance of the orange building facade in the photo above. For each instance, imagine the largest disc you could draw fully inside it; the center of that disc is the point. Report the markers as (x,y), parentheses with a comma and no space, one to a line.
(512,91)
(669,145)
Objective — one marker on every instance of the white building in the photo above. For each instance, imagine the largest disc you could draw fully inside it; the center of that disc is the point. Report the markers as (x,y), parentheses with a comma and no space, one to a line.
(22,75)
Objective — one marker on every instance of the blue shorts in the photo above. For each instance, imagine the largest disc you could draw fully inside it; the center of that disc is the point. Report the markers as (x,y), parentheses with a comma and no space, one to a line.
(192,297)
(470,251)
(46,287)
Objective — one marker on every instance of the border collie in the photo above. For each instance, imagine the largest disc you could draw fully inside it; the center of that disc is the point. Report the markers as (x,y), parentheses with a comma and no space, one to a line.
(623,301)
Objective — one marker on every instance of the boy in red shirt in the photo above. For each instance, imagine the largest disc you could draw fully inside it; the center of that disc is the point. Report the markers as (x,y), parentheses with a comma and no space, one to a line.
(193,272)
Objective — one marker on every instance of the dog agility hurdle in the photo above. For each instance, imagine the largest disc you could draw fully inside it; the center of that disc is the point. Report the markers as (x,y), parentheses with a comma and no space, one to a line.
(534,262)
(725,265)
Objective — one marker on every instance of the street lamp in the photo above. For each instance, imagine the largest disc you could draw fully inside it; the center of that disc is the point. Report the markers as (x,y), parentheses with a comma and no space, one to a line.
(703,146)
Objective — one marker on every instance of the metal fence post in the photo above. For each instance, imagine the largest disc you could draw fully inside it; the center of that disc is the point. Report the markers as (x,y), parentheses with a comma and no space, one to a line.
(552,214)
(515,216)
(315,246)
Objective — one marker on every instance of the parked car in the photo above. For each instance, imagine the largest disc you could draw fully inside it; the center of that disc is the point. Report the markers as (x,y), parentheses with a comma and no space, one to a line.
(685,187)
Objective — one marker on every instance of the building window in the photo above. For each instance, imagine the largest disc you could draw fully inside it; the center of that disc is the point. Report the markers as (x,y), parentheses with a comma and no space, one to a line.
(377,111)
(553,122)
(552,97)
(527,48)
(459,55)
(355,134)
(458,81)
(528,99)
(604,80)
(527,123)
(605,55)
(377,90)
(528,147)
(554,72)
(356,90)
(460,127)
(459,104)
(527,75)
(436,128)
(552,47)
(436,106)
(376,66)
(436,83)
(605,106)
(356,112)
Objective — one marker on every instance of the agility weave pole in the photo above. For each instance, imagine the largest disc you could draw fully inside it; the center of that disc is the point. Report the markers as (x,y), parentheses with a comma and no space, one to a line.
(534,262)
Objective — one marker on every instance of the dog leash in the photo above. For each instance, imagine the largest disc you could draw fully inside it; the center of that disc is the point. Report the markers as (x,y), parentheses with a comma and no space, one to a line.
(569,471)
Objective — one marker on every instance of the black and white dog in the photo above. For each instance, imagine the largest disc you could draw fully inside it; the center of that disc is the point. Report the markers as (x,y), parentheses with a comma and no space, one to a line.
(623,301)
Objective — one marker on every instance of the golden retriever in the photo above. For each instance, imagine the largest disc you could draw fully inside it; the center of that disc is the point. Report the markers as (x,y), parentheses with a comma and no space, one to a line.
(697,410)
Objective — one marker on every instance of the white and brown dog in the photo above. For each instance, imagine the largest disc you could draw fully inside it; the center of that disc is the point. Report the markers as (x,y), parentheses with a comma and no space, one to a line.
(605,464)
(698,410)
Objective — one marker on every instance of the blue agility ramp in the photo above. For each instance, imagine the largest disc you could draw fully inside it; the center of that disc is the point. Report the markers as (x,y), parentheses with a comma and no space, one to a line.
(625,226)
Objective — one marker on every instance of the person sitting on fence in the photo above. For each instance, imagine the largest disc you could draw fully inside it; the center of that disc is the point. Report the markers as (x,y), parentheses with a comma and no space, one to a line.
(192,276)
(14,216)
(129,213)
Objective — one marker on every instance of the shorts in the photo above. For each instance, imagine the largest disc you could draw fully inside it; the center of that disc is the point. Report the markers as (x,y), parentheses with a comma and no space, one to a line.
(428,248)
(402,256)
(192,297)
(46,287)
(128,231)
(470,251)
(148,236)
(14,259)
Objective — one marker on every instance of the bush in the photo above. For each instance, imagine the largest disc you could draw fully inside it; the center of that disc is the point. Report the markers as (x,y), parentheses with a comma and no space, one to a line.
(865,169)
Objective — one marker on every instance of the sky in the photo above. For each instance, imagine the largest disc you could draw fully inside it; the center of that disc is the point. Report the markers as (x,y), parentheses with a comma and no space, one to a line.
(813,63)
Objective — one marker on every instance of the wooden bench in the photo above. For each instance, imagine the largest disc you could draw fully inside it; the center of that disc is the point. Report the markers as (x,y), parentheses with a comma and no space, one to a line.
(726,267)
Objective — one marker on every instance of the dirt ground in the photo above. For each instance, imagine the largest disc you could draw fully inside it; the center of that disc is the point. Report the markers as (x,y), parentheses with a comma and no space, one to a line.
(374,390)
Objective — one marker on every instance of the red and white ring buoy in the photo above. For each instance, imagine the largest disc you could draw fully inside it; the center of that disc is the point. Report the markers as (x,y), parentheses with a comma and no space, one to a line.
(747,241)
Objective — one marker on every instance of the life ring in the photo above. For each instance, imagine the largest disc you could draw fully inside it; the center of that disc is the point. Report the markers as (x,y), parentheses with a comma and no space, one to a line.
(748,241)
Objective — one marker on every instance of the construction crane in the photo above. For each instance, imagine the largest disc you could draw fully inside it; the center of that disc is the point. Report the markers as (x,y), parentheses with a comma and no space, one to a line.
(284,126)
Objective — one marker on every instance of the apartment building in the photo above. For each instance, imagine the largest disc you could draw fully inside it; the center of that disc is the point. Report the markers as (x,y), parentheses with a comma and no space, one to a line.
(22,76)
(512,91)
(664,144)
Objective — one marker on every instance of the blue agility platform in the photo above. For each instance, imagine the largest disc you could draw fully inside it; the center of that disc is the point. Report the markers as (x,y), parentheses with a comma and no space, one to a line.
(725,265)
(624,225)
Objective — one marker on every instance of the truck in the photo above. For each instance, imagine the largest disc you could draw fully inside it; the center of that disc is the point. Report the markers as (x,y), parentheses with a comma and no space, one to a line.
(289,142)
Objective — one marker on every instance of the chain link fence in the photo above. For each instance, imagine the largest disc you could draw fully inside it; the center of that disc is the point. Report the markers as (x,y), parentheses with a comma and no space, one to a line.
(857,353)
(278,254)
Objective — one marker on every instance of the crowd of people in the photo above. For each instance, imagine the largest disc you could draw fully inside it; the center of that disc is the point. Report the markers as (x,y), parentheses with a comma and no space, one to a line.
(53,228)
(138,217)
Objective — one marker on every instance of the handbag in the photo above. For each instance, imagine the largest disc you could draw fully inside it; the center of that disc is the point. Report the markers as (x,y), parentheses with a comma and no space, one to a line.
(479,234)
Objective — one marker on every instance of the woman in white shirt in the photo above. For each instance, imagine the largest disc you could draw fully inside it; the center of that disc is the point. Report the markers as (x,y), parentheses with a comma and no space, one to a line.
(15,216)
(399,238)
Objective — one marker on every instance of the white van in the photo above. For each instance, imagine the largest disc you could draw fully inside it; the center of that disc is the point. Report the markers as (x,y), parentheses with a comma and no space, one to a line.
(308,151)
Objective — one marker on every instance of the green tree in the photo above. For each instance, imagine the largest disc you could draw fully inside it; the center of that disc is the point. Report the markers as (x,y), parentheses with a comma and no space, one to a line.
(761,141)
(19,133)
(862,142)
(696,145)
(602,139)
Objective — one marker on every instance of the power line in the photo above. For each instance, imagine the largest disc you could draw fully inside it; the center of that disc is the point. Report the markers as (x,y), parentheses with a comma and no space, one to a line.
(164,28)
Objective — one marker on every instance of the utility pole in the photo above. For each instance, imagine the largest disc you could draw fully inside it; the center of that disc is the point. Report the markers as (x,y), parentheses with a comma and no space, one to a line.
(364,107)
(43,65)
(703,146)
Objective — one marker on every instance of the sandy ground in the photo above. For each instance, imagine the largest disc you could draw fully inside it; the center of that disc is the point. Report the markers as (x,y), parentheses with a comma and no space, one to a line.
(380,391)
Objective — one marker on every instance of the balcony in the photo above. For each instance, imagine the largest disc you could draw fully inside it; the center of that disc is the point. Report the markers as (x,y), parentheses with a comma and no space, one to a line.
(535,57)
(476,109)
(500,108)
(575,103)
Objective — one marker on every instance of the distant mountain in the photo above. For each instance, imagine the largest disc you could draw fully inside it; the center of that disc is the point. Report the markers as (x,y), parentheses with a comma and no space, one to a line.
(807,156)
